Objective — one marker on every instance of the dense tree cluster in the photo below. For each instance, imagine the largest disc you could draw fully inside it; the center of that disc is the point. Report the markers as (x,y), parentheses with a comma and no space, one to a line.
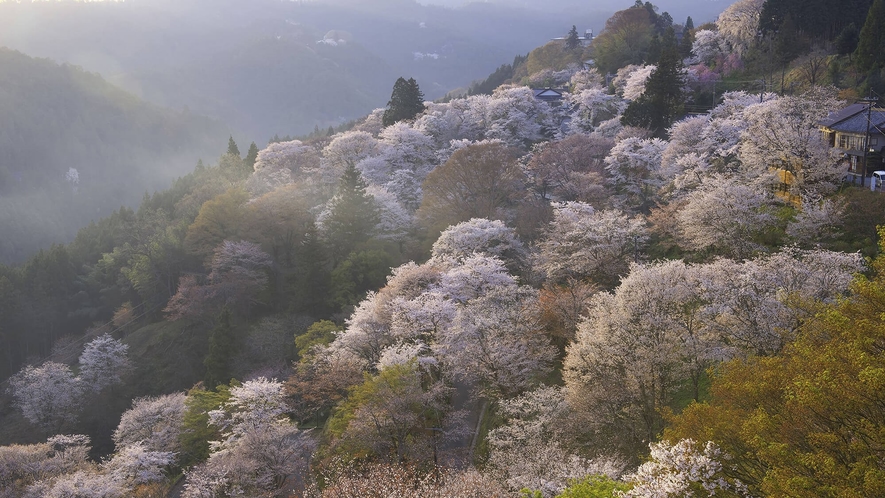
(555,300)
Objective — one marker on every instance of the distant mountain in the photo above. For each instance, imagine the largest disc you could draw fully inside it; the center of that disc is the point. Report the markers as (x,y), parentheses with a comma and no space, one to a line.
(700,10)
(74,148)
(268,67)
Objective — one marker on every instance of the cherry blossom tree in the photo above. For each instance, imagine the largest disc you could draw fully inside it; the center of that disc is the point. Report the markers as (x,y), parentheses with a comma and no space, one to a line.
(395,222)
(581,243)
(682,469)
(21,466)
(635,348)
(82,484)
(103,362)
(571,169)
(634,86)
(496,342)
(349,147)
(759,304)
(479,236)
(517,118)
(267,180)
(135,464)
(459,119)
(404,147)
(260,448)
(529,450)
(724,215)
(49,396)
(620,79)
(816,222)
(738,24)
(476,276)
(707,46)
(586,79)
(783,134)
(155,422)
(373,123)
(280,155)
(592,107)
(634,167)
(401,481)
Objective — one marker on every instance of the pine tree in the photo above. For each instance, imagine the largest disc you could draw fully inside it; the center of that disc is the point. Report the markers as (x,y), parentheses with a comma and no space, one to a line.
(252,155)
(312,281)
(870,53)
(846,42)
(572,41)
(687,38)
(406,102)
(663,99)
(232,147)
(221,347)
(353,215)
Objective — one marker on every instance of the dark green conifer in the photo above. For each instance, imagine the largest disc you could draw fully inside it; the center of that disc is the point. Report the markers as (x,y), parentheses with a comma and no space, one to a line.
(687,38)
(846,42)
(353,214)
(406,102)
(221,348)
(232,147)
(572,41)
(252,155)
(663,99)
(870,52)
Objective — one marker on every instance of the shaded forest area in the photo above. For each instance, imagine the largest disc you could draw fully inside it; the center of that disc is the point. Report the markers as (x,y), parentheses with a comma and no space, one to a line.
(74,148)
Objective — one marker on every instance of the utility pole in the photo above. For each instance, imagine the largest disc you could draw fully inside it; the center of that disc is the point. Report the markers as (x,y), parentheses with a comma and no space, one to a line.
(866,139)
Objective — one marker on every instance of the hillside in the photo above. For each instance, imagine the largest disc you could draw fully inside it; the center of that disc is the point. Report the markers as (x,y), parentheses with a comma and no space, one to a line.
(57,118)
(582,292)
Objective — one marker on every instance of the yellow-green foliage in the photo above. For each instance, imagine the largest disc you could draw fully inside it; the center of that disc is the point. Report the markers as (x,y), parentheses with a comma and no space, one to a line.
(553,56)
(321,332)
(598,486)
(197,432)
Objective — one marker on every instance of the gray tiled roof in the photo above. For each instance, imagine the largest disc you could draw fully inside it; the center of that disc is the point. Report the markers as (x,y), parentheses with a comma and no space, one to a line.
(858,123)
(836,116)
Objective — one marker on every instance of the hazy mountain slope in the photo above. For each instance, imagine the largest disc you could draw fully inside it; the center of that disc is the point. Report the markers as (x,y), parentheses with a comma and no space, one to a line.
(257,65)
(53,118)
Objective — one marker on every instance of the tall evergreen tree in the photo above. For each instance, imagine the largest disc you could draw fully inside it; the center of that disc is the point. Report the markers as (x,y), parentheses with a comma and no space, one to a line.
(572,41)
(353,215)
(252,155)
(313,278)
(232,147)
(406,102)
(687,38)
(663,99)
(221,349)
(846,42)
(870,52)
